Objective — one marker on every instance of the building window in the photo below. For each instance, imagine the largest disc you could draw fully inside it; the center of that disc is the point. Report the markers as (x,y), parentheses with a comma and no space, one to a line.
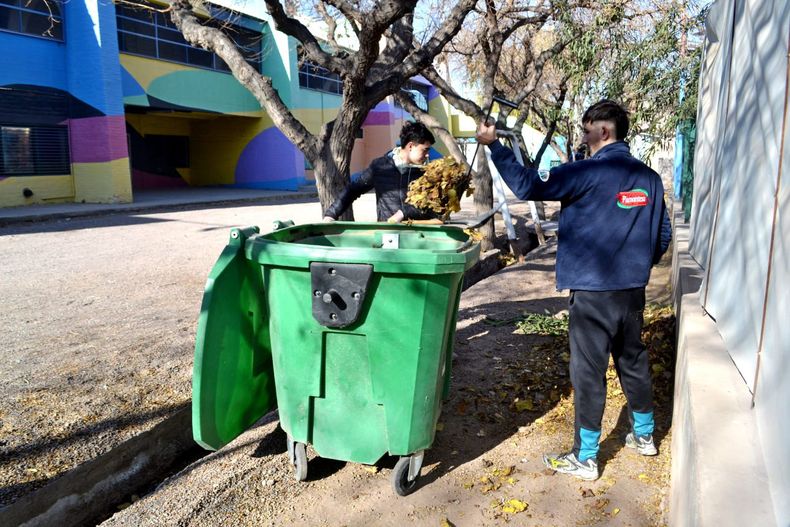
(151,34)
(34,150)
(314,77)
(40,18)
(418,93)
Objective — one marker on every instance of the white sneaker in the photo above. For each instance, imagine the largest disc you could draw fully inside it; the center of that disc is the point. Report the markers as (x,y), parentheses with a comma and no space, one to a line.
(568,464)
(643,444)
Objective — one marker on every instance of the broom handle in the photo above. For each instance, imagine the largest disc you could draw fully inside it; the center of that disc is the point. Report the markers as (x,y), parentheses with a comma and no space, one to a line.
(472,162)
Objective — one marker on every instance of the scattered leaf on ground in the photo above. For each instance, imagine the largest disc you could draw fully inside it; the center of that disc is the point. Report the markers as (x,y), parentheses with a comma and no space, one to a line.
(514,506)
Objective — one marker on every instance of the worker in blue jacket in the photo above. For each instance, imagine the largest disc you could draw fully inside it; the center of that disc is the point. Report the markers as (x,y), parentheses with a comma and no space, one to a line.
(613,228)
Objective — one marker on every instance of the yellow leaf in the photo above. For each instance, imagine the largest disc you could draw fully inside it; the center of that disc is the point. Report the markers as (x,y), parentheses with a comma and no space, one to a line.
(439,427)
(643,477)
(512,481)
(514,506)
(526,404)
(504,472)
(615,512)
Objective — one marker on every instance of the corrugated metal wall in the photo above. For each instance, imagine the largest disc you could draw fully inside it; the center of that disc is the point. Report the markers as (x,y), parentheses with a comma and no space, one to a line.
(740,224)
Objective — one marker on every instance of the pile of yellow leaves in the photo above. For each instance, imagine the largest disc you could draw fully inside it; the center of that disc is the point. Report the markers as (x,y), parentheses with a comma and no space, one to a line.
(441,187)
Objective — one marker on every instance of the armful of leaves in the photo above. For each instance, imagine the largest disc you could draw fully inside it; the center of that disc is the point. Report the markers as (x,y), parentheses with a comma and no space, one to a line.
(441,187)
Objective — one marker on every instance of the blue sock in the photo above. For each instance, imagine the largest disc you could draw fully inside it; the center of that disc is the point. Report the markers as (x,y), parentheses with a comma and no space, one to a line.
(589,444)
(643,424)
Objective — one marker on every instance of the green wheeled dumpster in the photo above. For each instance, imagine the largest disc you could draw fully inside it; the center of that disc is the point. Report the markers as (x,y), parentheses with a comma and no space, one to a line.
(347,328)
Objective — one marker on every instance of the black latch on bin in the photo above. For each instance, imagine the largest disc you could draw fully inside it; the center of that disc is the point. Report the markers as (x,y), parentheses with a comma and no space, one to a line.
(338,292)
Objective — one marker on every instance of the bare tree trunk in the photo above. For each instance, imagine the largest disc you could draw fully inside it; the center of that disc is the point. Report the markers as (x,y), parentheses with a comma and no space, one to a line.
(484,199)
(330,182)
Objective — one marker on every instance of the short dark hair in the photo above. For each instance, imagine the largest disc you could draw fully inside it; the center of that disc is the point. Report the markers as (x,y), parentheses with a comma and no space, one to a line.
(415,132)
(609,110)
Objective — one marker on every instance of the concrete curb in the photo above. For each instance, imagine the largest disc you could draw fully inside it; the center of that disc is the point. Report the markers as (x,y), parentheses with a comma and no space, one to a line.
(93,210)
(86,493)
(718,472)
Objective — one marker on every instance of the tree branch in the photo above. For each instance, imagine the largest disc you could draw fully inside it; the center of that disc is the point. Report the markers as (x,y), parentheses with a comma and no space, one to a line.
(433,123)
(213,39)
(310,45)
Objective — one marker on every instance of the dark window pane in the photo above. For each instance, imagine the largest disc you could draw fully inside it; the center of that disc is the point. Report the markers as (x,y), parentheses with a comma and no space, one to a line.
(35,24)
(10,2)
(9,19)
(220,65)
(17,151)
(32,150)
(171,35)
(135,26)
(174,52)
(143,15)
(164,21)
(136,44)
(57,30)
(167,42)
(48,7)
(200,57)
(51,150)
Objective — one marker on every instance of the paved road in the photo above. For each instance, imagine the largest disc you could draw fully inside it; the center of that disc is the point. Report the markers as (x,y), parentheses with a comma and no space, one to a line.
(98,327)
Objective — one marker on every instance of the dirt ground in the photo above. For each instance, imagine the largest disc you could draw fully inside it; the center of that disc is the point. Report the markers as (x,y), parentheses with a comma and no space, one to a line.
(98,333)
(510,401)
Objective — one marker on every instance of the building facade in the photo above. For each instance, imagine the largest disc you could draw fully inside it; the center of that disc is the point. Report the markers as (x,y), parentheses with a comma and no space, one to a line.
(99,100)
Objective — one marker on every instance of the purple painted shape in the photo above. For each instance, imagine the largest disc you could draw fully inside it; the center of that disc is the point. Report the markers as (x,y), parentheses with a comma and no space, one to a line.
(379,118)
(270,157)
(98,139)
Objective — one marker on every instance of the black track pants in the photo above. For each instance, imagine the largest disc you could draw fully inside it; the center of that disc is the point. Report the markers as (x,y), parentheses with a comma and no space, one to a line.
(603,323)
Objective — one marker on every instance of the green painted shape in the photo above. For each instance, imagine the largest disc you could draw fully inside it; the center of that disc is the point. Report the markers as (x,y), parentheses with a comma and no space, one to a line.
(233,379)
(278,61)
(136,100)
(219,92)
(376,386)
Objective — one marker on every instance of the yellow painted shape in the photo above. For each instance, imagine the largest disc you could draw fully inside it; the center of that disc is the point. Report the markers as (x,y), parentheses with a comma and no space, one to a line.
(314,118)
(109,182)
(145,124)
(215,147)
(46,189)
(145,70)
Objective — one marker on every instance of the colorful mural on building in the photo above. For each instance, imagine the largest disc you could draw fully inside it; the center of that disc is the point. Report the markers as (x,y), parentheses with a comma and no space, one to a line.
(100,100)
(61,117)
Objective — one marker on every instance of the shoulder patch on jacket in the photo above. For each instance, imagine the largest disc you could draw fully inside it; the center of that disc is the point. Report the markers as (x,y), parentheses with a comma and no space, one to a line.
(544,174)
(632,198)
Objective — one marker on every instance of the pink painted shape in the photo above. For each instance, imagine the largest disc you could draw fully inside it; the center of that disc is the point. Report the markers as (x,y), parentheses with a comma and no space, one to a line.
(98,139)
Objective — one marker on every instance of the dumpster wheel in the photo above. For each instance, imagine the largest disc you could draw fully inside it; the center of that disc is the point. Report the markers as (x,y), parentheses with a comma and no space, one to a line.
(400,477)
(300,462)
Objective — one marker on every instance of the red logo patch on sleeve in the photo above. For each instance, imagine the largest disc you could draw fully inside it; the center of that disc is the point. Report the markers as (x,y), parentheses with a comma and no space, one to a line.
(632,198)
